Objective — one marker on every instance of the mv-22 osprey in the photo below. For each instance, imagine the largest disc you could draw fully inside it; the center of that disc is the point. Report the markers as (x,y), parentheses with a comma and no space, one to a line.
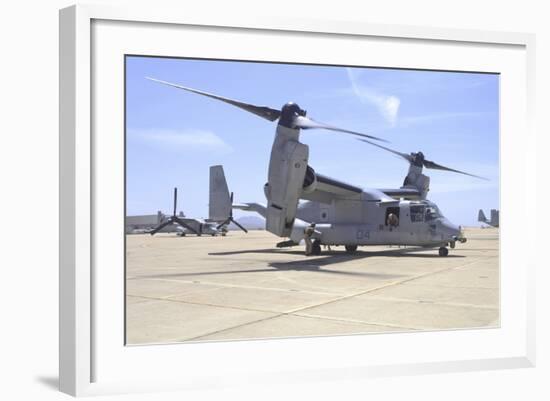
(214,225)
(334,212)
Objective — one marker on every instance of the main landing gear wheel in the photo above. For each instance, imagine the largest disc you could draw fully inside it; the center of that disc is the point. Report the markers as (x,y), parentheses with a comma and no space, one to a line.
(316,247)
(443,251)
(351,248)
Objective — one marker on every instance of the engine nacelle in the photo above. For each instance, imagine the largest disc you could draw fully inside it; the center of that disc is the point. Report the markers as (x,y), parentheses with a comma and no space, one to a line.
(415,179)
(310,181)
(287,170)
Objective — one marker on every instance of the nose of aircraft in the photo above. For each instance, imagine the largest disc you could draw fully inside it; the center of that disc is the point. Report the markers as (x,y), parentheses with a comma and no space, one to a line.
(450,230)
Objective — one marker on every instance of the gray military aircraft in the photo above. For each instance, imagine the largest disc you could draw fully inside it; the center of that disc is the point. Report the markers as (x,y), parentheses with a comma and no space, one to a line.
(333,212)
(495,218)
(182,225)
(220,201)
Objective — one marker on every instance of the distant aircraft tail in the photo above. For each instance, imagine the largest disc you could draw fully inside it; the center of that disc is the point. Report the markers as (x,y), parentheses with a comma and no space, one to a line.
(495,217)
(219,207)
(481,216)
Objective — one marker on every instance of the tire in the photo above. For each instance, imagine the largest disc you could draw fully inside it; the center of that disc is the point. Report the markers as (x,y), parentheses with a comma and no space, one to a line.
(443,251)
(351,248)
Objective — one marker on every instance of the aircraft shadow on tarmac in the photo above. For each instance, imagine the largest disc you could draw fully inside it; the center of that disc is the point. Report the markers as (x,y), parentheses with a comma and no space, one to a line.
(318,265)
(313,264)
(396,252)
(274,267)
(332,257)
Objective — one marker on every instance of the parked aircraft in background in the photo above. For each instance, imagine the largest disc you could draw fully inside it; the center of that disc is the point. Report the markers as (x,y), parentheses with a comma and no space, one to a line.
(495,217)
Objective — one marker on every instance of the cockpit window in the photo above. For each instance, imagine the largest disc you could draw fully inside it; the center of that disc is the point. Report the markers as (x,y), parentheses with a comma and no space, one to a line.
(432,212)
(417,213)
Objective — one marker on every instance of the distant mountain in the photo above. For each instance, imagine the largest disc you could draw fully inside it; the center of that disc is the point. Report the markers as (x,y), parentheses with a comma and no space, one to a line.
(250,223)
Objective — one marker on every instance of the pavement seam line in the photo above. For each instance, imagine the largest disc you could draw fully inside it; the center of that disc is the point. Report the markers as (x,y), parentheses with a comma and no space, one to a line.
(208,304)
(354,321)
(383,286)
(413,301)
(234,327)
(251,287)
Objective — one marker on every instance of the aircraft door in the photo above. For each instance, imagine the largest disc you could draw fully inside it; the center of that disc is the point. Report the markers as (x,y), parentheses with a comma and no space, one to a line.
(392,219)
(405,223)
(417,223)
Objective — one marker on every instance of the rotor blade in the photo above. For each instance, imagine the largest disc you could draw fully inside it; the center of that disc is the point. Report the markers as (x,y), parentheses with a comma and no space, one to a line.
(238,225)
(262,111)
(403,155)
(160,227)
(224,223)
(427,163)
(183,224)
(435,166)
(175,200)
(307,123)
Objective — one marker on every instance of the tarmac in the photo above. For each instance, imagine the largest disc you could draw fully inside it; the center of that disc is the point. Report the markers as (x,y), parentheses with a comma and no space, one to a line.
(241,286)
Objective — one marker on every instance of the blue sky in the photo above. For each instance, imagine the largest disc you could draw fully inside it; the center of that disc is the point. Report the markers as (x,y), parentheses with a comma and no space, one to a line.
(174,136)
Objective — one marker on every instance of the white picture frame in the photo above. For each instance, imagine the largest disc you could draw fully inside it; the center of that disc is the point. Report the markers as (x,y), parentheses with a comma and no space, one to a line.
(82,344)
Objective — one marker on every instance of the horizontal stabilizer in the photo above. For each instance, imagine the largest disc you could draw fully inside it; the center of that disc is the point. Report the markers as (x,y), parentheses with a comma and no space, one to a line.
(252,207)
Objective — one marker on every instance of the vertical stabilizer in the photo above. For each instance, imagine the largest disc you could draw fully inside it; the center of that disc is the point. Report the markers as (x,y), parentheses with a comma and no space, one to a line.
(495,217)
(481,216)
(219,207)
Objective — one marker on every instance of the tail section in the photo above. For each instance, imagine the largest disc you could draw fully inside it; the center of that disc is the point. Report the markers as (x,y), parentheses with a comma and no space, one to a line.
(495,217)
(252,207)
(219,207)
(481,216)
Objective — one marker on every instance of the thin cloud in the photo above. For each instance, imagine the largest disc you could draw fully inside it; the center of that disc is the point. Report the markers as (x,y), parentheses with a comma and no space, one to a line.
(387,105)
(429,118)
(187,139)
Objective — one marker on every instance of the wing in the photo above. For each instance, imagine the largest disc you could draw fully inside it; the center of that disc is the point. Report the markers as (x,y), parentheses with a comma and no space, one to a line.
(409,193)
(328,189)
(189,224)
(189,221)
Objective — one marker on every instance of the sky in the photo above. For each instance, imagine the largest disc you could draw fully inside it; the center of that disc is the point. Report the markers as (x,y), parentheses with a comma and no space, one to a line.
(172,136)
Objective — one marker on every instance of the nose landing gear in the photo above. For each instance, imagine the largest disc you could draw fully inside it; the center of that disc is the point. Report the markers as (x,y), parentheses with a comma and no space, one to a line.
(443,251)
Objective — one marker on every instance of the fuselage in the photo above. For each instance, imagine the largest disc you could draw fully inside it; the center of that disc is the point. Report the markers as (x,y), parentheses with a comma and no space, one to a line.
(344,214)
(367,222)
(204,227)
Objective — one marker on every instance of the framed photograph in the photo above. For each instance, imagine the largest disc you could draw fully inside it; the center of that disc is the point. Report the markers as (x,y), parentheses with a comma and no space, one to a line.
(272,200)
